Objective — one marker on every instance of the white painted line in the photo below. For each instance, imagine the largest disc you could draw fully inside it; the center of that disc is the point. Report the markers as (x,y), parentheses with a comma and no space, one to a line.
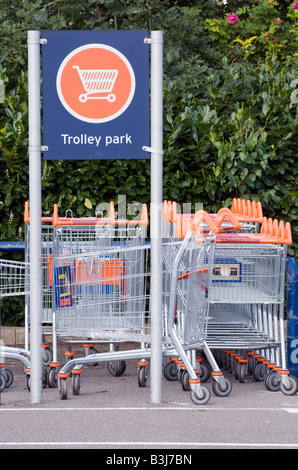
(291,410)
(150,443)
(145,408)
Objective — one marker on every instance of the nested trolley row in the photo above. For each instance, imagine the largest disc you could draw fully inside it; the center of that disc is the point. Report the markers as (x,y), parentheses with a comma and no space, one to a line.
(246,315)
(223,296)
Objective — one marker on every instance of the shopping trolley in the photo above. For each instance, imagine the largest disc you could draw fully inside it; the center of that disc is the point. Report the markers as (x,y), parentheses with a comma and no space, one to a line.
(173,232)
(97,82)
(247,304)
(13,282)
(46,247)
(80,236)
(178,338)
(47,237)
(245,326)
(103,295)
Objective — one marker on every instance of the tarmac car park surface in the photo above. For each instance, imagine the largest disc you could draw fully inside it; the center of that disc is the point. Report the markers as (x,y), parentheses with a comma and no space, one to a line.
(115,413)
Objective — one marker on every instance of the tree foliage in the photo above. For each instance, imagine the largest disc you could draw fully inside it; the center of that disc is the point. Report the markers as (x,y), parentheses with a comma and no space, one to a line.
(230,107)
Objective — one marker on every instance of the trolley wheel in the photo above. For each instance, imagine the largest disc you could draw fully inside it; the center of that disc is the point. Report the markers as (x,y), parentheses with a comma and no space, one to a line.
(185,381)
(142,376)
(272,382)
(2,381)
(28,383)
(76,384)
(53,380)
(63,389)
(242,373)
(292,388)
(9,378)
(205,372)
(47,356)
(170,371)
(205,398)
(45,379)
(116,368)
(222,391)
(259,372)
(180,374)
(250,367)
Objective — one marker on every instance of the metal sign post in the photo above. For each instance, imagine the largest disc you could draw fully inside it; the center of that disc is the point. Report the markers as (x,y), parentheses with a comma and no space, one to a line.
(156,214)
(35,216)
(73,130)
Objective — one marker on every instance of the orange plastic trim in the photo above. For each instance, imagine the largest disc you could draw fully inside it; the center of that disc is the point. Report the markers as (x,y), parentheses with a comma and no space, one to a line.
(145,363)
(62,376)
(144,215)
(275,232)
(226,213)
(54,364)
(178,228)
(186,275)
(216,374)
(26,213)
(76,371)
(112,210)
(194,381)
(203,216)
(167,211)
(247,211)
(58,221)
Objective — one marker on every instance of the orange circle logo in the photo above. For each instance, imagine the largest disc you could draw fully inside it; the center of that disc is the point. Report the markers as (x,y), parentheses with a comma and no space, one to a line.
(95,83)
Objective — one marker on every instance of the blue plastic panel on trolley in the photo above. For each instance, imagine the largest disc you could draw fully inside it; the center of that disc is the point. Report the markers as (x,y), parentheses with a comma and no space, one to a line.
(63,296)
(226,270)
(95,95)
(292,316)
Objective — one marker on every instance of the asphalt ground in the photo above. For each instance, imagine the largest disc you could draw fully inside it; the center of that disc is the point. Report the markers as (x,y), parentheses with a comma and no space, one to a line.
(115,414)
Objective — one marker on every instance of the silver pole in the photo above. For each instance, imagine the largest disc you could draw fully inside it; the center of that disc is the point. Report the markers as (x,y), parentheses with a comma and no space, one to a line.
(156,214)
(35,216)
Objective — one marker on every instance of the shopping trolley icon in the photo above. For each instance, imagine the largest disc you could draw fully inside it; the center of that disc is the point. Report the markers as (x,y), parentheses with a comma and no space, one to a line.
(97,82)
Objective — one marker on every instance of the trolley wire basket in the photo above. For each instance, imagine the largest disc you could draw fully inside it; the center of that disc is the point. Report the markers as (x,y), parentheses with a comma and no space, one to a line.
(13,282)
(246,316)
(187,281)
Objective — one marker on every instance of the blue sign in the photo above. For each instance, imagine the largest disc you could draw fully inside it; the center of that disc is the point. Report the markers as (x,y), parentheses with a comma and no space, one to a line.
(95,95)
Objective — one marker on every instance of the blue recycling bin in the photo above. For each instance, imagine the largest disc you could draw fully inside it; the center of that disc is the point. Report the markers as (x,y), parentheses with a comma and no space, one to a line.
(292,316)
